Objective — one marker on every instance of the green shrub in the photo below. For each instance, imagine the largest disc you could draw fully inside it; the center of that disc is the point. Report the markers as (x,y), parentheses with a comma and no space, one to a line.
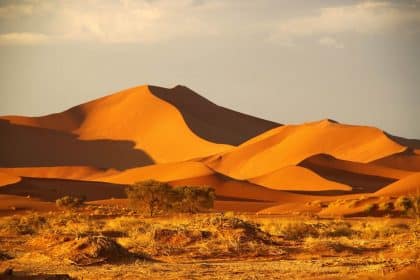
(194,199)
(156,197)
(151,196)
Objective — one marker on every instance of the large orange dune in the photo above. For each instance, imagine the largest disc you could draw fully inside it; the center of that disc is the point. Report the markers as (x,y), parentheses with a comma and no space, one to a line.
(175,135)
(290,145)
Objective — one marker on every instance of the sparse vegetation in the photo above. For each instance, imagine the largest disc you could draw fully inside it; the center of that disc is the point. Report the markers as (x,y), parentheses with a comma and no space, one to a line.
(370,208)
(70,239)
(194,199)
(154,197)
(386,206)
(403,203)
(28,224)
(70,202)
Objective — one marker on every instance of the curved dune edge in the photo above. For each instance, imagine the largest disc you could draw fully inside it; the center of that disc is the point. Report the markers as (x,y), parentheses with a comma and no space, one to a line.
(7,179)
(407,160)
(162,172)
(298,179)
(410,184)
(288,146)
(154,126)
(371,169)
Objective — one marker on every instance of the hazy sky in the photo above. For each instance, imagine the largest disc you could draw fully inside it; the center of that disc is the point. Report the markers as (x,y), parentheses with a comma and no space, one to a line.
(289,61)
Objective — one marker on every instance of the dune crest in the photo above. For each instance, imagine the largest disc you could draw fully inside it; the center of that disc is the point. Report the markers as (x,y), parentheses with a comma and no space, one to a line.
(177,136)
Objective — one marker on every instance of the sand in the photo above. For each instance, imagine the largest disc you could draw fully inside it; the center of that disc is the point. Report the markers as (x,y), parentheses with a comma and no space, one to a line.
(175,135)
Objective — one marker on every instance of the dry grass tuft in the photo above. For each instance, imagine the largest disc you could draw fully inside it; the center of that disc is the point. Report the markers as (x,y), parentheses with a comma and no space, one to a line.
(94,250)
(28,224)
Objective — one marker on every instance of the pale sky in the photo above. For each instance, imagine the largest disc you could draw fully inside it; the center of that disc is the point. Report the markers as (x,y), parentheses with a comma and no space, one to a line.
(295,61)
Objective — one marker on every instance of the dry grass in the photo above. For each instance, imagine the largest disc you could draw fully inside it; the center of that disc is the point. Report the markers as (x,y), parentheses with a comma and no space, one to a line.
(114,246)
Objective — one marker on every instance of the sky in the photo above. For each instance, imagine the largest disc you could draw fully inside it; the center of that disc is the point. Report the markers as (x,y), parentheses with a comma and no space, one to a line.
(356,62)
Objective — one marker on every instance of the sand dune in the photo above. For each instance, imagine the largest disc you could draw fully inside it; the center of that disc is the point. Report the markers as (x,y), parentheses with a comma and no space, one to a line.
(407,160)
(147,119)
(175,135)
(298,179)
(12,204)
(362,177)
(288,146)
(133,119)
(210,121)
(410,184)
(7,179)
(162,172)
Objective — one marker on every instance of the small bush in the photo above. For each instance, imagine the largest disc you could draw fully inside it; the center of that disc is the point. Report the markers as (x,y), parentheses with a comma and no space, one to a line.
(339,229)
(370,208)
(70,201)
(386,206)
(151,196)
(298,230)
(29,224)
(194,199)
(156,197)
(415,199)
(404,203)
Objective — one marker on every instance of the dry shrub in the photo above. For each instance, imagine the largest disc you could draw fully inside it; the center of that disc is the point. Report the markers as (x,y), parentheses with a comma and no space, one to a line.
(28,224)
(70,202)
(94,250)
(415,198)
(200,236)
(330,247)
(298,230)
(403,203)
(386,206)
(337,229)
(379,229)
(74,224)
(371,208)
(194,199)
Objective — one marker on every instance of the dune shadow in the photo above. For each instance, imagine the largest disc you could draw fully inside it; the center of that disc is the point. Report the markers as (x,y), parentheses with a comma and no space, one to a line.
(409,143)
(52,189)
(361,183)
(25,146)
(210,121)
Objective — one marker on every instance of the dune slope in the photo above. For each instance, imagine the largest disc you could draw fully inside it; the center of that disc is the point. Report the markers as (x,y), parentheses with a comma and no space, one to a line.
(290,145)
(175,135)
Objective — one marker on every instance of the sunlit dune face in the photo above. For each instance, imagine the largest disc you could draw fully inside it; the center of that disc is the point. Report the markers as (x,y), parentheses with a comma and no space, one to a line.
(170,135)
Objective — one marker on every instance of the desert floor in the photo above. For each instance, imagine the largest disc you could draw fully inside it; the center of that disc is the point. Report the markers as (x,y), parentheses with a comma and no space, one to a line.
(107,242)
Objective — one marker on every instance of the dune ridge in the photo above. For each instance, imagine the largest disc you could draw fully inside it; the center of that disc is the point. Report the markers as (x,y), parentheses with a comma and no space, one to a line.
(177,136)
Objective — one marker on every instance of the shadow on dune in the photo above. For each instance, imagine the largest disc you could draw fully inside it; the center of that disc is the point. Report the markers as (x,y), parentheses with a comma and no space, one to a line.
(409,143)
(210,121)
(361,183)
(51,189)
(25,146)
(406,160)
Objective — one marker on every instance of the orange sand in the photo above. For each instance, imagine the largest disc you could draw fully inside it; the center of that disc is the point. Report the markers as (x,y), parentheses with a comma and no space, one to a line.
(175,135)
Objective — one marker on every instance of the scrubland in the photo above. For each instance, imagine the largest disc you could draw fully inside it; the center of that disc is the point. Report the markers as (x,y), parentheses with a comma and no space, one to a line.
(107,242)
